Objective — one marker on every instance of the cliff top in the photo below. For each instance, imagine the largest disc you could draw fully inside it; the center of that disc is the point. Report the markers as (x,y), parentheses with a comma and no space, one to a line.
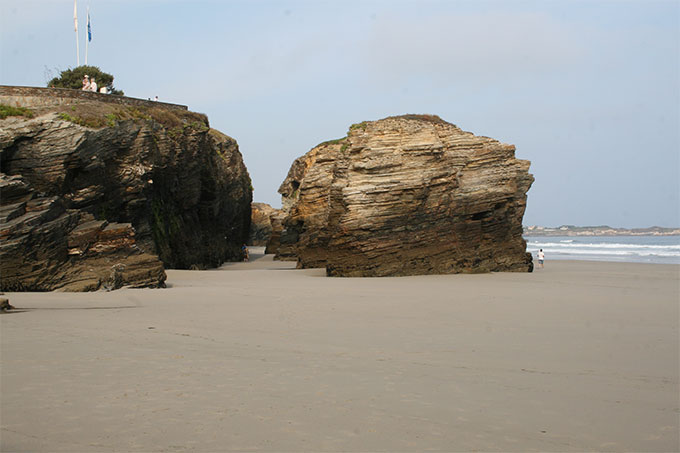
(94,110)
(435,119)
(426,118)
(97,115)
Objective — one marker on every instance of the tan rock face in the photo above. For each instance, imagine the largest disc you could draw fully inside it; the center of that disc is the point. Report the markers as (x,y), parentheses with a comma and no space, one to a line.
(305,190)
(409,195)
(274,242)
(261,224)
(134,189)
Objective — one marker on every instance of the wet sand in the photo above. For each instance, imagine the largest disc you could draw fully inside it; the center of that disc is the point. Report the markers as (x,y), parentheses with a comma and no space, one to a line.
(578,356)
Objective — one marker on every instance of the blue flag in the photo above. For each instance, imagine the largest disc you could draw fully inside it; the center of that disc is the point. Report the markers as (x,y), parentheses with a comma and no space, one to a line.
(89,30)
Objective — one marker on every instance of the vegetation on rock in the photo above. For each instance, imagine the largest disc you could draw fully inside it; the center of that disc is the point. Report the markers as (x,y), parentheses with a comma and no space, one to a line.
(73,78)
(8,110)
(96,116)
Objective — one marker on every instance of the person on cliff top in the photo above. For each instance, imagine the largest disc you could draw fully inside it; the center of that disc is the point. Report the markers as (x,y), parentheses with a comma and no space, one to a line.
(93,85)
(541,258)
(86,83)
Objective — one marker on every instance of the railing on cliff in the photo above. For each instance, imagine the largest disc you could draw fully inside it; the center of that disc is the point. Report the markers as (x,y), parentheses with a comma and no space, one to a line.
(19,96)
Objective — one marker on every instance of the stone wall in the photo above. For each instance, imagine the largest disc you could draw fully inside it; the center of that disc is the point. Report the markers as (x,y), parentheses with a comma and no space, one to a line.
(36,97)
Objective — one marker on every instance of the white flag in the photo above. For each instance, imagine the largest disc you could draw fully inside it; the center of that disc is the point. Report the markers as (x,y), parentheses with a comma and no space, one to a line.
(75,15)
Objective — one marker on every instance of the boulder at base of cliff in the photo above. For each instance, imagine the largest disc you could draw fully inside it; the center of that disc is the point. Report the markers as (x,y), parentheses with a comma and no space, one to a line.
(408,195)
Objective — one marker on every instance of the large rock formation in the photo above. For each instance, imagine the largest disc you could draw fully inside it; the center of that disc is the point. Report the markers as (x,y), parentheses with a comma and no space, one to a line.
(94,193)
(407,195)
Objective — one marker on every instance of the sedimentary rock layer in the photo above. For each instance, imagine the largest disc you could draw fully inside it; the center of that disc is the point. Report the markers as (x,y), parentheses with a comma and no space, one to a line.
(305,233)
(44,246)
(154,180)
(408,195)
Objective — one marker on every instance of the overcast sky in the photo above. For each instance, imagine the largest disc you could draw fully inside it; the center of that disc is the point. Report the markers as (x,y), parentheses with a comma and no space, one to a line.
(588,91)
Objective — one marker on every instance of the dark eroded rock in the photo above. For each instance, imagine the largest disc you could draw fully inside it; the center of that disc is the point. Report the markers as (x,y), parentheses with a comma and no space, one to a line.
(95,193)
(5,305)
(44,246)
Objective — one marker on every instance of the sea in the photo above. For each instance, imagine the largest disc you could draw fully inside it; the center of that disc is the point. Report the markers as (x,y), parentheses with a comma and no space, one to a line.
(624,249)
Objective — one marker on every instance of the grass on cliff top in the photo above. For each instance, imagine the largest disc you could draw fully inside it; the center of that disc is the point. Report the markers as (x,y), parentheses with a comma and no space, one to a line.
(361,126)
(427,118)
(99,115)
(221,136)
(332,142)
(8,110)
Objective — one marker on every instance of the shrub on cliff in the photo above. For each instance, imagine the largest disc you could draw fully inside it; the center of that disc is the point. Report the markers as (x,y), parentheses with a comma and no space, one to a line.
(8,110)
(73,78)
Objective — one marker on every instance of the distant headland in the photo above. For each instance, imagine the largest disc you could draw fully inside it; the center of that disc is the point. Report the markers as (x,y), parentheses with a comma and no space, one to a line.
(604,230)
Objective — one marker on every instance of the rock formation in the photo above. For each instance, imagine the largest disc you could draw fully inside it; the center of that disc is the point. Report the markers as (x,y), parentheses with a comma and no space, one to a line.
(305,191)
(274,242)
(98,194)
(5,305)
(261,224)
(407,195)
(45,246)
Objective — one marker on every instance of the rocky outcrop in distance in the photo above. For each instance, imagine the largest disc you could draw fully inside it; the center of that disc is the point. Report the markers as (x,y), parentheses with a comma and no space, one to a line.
(406,195)
(274,242)
(261,224)
(102,195)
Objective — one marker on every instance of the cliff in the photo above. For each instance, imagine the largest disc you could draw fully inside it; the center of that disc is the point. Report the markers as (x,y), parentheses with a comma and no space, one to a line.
(90,183)
(407,195)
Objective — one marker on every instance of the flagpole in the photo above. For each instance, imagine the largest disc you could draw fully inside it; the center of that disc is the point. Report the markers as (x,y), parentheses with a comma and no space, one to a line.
(87,37)
(75,26)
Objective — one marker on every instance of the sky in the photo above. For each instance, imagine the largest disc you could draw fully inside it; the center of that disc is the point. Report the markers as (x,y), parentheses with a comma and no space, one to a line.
(588,91)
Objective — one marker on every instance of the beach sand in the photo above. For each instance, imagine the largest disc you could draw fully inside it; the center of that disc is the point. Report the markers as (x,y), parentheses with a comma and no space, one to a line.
(578,356)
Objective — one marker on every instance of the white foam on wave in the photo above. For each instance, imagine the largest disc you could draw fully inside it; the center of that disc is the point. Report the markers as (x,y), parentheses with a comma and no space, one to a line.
(603,245)
(609,252)
(598,249)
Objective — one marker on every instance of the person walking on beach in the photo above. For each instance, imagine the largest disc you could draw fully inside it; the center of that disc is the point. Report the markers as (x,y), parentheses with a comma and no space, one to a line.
(244,252)
(541,258)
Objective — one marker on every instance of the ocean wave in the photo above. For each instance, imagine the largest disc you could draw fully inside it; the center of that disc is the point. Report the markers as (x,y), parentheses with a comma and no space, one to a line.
(610,253)
(627,249)
(603,245)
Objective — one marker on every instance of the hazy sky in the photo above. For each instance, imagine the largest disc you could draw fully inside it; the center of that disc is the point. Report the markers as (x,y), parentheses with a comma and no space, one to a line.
(588,91)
